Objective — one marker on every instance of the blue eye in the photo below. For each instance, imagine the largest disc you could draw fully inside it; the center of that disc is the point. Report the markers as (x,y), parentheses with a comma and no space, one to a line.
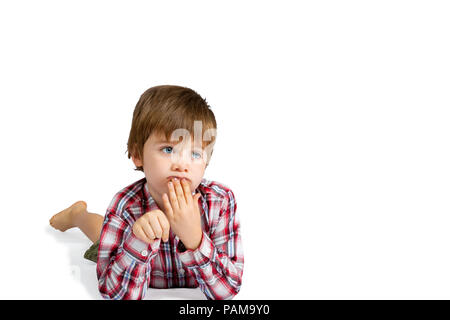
(166,148)
(197,153)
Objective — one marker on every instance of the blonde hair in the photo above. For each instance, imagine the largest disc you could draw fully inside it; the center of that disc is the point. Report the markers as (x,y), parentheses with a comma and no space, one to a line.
(162,110)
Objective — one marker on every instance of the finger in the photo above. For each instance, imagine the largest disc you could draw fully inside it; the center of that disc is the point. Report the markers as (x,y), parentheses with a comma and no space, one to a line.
(165,225)
(141,235)
(173,197)
(154,222)
(167,206)
(180,193)
(187,191)
(146,228)
(195,200)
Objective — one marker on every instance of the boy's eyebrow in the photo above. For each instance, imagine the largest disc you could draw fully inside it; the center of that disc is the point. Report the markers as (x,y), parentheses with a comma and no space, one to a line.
(166,142)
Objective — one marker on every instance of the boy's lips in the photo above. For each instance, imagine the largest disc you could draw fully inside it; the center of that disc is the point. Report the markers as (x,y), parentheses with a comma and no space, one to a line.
(179,178)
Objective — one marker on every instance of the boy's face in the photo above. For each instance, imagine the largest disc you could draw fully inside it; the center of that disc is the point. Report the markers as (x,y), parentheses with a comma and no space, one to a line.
(164,159)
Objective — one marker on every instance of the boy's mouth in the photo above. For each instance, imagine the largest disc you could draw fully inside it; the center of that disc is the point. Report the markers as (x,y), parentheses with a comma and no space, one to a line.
(179,178)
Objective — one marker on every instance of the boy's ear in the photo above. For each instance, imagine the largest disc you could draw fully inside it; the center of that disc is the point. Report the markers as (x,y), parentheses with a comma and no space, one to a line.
(137,162)
(135,156)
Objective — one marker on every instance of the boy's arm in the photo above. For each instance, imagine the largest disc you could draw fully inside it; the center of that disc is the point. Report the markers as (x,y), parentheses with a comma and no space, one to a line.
(218,261)
(123,266)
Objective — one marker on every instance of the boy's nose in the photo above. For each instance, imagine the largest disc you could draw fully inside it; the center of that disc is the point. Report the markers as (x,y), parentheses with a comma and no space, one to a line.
(180,161)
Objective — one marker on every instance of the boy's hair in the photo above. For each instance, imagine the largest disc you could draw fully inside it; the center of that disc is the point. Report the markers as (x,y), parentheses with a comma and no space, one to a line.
(163,109)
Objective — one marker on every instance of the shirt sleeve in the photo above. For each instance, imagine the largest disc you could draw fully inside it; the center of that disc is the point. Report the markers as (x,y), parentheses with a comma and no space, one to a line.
(123,263)
(218,262)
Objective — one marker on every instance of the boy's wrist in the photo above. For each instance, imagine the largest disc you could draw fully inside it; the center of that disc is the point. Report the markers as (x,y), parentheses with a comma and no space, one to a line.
(194,243)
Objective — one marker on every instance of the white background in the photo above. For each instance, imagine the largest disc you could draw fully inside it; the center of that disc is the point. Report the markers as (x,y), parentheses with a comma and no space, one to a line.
(333,132)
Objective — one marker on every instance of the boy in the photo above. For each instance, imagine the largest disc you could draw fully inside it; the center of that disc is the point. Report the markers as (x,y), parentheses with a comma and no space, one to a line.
(172,228)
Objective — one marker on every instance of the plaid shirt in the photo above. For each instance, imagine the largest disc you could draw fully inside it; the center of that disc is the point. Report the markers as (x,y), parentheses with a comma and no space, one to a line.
(127,266)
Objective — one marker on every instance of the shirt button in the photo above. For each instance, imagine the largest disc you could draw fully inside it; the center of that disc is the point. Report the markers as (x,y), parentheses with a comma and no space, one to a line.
(181,271)
(144,253)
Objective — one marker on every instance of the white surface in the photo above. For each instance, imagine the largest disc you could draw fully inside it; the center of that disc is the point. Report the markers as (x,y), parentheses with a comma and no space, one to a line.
(333,133)
(82,272)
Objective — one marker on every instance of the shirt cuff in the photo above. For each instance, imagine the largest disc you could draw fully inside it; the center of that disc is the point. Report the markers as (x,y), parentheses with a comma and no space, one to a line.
(201,256)
(139,249)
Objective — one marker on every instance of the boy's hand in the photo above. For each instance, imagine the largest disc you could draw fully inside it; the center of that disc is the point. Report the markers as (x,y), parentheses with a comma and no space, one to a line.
(183,213)
(151,226)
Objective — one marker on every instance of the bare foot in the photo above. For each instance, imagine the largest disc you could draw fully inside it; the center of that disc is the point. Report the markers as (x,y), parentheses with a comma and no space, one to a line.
(66,219)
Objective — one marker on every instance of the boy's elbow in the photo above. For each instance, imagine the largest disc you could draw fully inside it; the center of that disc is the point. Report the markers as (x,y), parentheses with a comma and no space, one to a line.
(109,295)
(228,293)
(110,292)
(234,286)
(226,296)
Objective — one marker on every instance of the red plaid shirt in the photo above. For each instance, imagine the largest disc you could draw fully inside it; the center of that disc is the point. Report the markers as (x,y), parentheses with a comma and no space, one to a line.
(127,266)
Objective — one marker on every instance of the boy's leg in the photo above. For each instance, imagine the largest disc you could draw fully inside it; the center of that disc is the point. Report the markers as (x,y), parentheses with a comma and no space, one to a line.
(77,216)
